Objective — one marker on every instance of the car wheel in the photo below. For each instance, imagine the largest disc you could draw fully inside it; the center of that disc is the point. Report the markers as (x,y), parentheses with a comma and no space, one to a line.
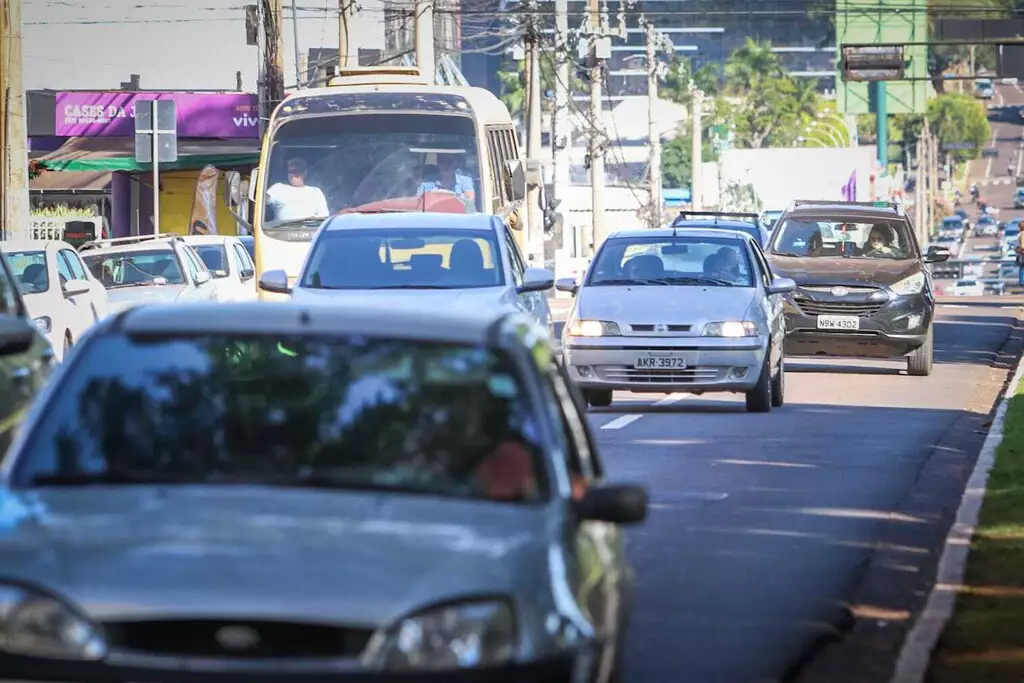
(919,363)
(599,398)
(779,385)
(759,399)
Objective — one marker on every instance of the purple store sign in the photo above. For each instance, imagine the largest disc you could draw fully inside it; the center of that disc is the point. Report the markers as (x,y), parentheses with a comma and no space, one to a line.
(200,115)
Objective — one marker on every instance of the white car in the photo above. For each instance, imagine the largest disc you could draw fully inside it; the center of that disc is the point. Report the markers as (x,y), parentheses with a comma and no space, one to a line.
(61,295)
(969,287)
(234,273)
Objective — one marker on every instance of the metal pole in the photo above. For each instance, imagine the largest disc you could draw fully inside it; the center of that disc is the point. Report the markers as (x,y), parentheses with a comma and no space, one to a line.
(156,171)
(425,58)
(653,134)
(534,217)
(697,152)
(881,124)
(343,33)
(14,196)
(596,232)
(295,39)
(919,213)
(561,140)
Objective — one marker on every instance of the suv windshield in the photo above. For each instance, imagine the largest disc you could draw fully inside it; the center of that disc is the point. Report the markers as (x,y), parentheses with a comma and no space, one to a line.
(29,268)
(363,162)
(679,260)
(404,259)
(135,268)
(362,413)
(856,238)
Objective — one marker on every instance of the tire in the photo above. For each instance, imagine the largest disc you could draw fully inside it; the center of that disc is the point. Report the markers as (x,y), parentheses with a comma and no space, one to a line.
(919,363)
(779,385)
(759,399)
(598,398)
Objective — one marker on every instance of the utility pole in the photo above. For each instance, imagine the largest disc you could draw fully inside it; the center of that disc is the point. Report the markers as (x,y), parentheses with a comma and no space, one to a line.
(933,174)
(653,133)
(920,218)
(343,50)
(597,231)
(697,151)
(14,202)
(274,53)
(534,216)
(298,52)
(560,138)
(425,58)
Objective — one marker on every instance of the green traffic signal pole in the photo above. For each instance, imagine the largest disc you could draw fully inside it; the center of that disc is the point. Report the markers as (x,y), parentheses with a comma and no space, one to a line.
(881,125)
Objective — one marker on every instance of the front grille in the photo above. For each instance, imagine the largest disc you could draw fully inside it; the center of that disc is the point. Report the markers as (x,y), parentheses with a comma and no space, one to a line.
(234,639)
(626,374)
(668,328)
(825,289)
(861,309)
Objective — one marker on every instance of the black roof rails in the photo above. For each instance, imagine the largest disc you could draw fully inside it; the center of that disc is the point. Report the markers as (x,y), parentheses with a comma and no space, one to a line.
(717,214)
(826,202)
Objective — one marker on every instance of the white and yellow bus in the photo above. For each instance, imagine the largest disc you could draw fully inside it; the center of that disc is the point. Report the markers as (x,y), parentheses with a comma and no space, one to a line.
(371,141)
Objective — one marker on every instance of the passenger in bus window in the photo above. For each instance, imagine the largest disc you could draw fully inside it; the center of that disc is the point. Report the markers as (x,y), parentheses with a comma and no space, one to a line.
(295,199)
(452,179)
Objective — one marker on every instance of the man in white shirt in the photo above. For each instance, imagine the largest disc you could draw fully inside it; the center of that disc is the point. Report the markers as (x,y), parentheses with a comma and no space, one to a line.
(296,199)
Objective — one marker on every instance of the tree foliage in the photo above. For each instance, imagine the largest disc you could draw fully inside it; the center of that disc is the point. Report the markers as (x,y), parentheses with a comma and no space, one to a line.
(513,85)
(958,119)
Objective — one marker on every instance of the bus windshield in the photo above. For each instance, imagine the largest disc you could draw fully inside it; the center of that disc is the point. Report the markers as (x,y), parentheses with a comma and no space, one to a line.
(324,165)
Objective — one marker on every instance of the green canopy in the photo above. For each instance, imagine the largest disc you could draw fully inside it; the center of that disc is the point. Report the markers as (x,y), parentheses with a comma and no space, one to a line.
(118,154)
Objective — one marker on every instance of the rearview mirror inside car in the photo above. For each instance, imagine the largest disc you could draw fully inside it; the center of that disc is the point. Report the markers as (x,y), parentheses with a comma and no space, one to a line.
(616,504)
(407,243)
(567,284)
(275,281)
(675,249)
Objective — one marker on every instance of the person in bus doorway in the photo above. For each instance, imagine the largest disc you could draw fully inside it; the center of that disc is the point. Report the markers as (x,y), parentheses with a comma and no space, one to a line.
(450,178)
(295,199)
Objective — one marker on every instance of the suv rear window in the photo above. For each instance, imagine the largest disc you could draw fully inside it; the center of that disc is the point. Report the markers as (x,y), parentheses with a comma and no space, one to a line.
(836,237)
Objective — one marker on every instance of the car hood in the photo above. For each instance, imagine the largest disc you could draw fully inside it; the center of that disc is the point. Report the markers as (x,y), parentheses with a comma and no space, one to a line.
(653,304)
(120,299)
(843,271)
(495,298)
(192,552)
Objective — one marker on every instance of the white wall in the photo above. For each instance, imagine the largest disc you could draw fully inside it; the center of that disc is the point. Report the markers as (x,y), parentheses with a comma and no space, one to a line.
(172,44)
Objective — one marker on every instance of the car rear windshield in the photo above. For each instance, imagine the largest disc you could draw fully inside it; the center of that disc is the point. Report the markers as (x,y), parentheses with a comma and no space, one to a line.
(135,268)
(360,413)
(680,260)
(837,237)
(215,256)
(29,268)
(404,259)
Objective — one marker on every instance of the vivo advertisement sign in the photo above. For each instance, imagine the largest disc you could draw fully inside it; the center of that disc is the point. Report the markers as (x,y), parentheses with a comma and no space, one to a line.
(200,115)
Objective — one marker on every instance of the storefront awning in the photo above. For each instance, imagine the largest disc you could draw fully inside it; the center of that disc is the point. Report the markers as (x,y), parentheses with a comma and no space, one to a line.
(118,154)
(74,181)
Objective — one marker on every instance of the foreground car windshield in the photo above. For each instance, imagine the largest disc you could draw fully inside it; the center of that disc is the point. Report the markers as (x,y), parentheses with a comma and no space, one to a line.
(135,268)
(29,269)
(404,259)
(356,413)
(680,260)
(882,239)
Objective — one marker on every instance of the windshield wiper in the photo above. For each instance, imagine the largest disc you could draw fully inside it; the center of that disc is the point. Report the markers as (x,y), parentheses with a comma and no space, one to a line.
(413,287)
(308,220)
(100,478)
(788,253)
(629,281)
(698,280)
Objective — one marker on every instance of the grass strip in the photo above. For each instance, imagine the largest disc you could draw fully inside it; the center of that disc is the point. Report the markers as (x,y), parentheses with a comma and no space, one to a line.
(984,640)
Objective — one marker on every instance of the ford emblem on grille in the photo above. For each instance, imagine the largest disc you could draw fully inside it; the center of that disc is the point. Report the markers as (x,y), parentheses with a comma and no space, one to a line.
(661,328)
(840,291)
(237,638)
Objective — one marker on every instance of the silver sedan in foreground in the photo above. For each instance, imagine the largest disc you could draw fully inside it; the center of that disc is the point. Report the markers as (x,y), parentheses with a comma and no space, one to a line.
(271,493)
(678,311)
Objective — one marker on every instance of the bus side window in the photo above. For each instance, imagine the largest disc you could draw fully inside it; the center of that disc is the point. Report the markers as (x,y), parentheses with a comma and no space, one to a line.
(498,189)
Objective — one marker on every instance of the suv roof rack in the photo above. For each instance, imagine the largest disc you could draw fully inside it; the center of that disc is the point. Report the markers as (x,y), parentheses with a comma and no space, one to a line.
(99,244)
(895,206)
(684,214)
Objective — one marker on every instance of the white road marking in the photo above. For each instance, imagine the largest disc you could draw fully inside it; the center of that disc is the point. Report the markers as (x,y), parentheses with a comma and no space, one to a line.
(625,420)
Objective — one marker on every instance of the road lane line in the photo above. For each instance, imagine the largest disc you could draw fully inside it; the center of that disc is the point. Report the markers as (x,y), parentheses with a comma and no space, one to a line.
(625,420)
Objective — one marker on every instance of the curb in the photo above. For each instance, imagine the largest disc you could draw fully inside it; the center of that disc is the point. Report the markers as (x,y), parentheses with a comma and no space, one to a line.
(915,655)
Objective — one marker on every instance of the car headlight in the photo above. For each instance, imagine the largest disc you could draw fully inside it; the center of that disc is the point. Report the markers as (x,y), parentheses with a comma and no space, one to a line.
(909,285)
(456,636)
(36,625)
(731,328)
(43,324)
(592,328)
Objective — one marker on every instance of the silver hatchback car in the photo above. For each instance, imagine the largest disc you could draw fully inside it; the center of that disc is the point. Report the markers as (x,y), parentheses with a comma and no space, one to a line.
(695,310)
(274,493)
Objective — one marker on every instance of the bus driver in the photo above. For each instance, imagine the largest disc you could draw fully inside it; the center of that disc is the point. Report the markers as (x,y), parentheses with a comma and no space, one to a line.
(295,199)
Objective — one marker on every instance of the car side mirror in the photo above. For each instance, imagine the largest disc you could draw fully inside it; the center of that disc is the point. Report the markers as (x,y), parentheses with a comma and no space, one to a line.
(253,178)
(247,274)
(936,255)
(76,287)
(233,189)
(16,335)
(614,503)
(782,285)
(516,174)
(202,277)
(536,280)
(567,284)
(275,281)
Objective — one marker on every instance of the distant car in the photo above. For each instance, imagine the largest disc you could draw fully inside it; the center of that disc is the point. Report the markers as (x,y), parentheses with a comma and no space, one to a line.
(984,89)
(666,310)
(769,218)
(276,493)
(969,287)
(440,261)
(234,274)
(1018,198)
(148,269)
(948,242)
(721,220)
(61,295)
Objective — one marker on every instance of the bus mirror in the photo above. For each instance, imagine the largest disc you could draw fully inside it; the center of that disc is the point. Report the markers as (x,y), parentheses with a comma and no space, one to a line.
(517,179)
(253,178)
(232,189)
